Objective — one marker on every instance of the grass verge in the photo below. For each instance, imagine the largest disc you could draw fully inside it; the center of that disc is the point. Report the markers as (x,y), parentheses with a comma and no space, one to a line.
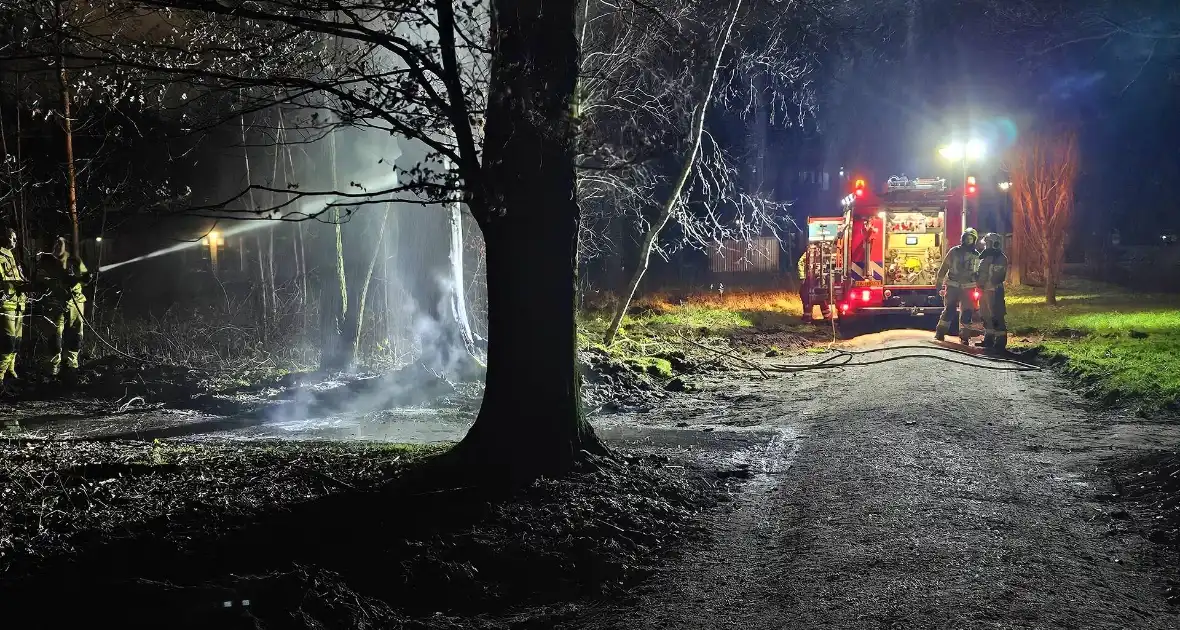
(1123,346)
(655,324)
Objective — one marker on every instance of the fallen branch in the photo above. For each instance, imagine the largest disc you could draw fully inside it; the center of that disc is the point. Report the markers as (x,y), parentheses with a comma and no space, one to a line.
(127,405)
(726,354)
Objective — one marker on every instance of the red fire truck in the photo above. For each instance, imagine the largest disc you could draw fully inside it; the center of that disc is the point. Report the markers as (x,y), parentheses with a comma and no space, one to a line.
(880,257)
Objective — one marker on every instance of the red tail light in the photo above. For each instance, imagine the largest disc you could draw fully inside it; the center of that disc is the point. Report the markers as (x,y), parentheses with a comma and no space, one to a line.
(844,308)
(864,296)
(975,294)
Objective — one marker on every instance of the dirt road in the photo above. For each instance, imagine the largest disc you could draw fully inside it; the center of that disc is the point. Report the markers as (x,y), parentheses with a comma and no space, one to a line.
(911,494)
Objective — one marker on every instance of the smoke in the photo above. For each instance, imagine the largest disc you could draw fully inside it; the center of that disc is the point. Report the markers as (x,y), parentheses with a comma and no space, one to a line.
(442,370)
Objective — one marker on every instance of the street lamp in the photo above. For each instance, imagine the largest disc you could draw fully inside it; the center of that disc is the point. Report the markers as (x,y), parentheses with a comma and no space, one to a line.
(964,152)
(1005,185)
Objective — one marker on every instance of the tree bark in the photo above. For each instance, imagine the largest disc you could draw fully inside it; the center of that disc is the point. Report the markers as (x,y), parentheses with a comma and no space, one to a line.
(458,283)
(335,306)
(355,319)
(531,422)
(10,173)
(71,173)
(696,130)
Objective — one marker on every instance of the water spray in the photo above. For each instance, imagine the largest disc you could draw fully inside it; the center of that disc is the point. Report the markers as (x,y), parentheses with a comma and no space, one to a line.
(309,209)
(237,229)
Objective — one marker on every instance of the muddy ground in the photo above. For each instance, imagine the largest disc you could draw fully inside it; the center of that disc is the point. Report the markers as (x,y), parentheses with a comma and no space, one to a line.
(911,493)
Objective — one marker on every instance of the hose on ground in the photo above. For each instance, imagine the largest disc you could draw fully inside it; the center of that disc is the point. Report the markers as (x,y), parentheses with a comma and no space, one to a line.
(844,358)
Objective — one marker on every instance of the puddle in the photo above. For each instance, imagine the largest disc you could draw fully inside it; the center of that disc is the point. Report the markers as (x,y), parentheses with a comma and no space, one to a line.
(770,459)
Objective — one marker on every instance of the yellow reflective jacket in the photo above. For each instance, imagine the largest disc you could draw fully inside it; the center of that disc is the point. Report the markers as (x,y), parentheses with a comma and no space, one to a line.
(12,295)
(62,278)
(958,268)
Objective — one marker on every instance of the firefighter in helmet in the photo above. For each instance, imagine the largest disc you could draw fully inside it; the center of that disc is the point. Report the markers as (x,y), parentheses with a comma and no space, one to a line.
(61,275)
(958,270)
(13,286)
(993,270)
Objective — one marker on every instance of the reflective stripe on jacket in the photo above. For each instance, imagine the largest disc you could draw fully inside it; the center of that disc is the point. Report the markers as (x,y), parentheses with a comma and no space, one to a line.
(958,268)
(11,298)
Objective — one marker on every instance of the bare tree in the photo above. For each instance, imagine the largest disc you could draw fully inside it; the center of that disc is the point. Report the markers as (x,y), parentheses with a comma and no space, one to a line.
(490,94)
(670,203)
(1043,169)
(651,73)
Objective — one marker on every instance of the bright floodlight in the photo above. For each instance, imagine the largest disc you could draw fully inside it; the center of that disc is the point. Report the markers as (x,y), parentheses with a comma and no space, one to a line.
(975,150)
(955,151)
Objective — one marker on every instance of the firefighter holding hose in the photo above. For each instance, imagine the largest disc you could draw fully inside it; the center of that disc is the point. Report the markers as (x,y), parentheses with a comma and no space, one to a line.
(958,270)
(993,270)
(12,303)
(62,276)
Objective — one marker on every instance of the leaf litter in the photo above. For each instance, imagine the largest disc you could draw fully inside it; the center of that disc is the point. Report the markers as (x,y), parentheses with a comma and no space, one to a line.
(276,535)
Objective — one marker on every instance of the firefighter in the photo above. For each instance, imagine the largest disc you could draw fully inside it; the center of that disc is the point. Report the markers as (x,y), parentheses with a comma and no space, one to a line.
(958,270)
(13,286)
(61,275)
(993,270)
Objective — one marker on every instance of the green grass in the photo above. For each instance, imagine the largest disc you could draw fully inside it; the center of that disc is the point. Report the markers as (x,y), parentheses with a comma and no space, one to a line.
(710,314)
(656,324)
(1122,345)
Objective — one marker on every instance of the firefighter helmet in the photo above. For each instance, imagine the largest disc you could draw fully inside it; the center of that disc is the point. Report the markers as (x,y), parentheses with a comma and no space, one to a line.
(991,240)
(970,237)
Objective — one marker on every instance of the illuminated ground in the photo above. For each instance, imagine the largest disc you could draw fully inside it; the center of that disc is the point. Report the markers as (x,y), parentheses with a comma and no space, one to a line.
(915,494)
(910,494)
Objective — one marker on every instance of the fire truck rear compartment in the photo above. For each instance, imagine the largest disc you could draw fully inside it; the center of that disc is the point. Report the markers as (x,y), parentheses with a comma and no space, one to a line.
(914,247)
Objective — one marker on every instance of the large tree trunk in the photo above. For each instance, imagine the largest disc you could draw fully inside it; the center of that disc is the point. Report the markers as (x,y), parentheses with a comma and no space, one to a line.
(531,422)
(696,129)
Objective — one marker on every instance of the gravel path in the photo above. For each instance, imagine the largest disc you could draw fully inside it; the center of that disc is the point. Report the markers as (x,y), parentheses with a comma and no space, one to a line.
(911,494)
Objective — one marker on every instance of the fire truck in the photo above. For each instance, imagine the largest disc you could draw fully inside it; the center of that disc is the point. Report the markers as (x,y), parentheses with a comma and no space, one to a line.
(880,256)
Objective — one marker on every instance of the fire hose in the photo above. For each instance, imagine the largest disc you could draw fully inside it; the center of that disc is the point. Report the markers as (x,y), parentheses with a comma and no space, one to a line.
(844,358)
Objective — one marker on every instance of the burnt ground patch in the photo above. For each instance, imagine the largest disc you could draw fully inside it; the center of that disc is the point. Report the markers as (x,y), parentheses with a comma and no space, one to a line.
(278,535)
